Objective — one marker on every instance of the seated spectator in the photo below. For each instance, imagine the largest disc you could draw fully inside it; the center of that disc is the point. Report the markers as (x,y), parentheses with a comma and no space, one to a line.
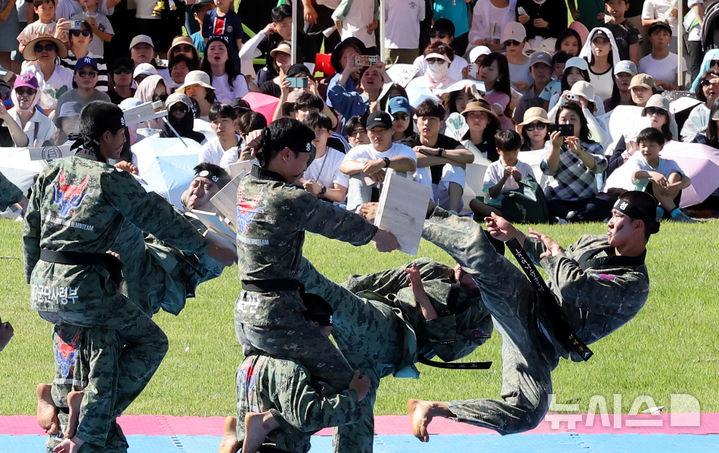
(488,20)
(183,45)
(323,177)
(559,61)
(180,120)
(455,13)
(152,89)
(707,91)
(121,73)
(247,122)
(503,175)
(654,11)
(582,94)
(660,177)
(534,129)
(67,119)
(222,20)
(457,99)
(642,87)
(85,77)
(494,72)
(602,54)
(371,160)
(441,160)
(45,24)
(624,71)
(79,47)
(100,28)
(208,180)
(569,41)
(442,31)
(438,57)
(351,103)
(401,112)
(540,66)
(661,63)
(572,165)
(41,61)
(482,123)
(142,50)
(142,71)
(308,101)
(11,133)
(197,86)
(625,34)
(179,67)
(222,119)
(281,61)
(711,135)
(542,19)
(475,58)
(266,41)
(356,131)
(710,62)
(39,130)
(514,37)
(217,63)
(575,70)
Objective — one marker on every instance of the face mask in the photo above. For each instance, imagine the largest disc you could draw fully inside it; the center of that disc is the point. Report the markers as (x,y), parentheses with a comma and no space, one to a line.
(437,71)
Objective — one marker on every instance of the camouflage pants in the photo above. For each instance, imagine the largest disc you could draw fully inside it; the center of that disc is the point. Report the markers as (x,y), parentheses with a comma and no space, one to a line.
(87,359)
(527,356)
(370,335)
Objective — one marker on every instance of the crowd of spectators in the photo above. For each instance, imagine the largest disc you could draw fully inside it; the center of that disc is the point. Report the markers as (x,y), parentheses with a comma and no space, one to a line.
(455,77)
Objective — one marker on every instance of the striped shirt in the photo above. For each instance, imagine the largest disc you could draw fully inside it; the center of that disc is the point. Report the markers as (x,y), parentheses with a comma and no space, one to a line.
(103,75)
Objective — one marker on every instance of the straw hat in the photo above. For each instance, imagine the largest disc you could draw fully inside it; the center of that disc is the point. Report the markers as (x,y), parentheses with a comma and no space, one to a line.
(284,47)
(29,52)
(481,105)
(531,115)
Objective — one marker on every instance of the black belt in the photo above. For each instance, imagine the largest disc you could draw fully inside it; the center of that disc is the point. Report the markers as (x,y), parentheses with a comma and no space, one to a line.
(455,365)
(271,450)
(112,264)
(275,284)
(559,326)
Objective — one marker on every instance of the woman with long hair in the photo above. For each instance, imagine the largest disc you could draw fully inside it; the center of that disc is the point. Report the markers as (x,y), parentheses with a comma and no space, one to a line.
(621,94)
(707,91)
(494,72)
(228,84)
(602,54)
(482,123)
(568,41)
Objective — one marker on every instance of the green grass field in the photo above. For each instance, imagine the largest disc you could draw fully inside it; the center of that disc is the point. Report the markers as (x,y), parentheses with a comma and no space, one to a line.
(670,347)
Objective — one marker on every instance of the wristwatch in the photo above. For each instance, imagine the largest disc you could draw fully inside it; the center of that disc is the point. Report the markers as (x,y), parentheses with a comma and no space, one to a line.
(441,152)
(386,162)
(324,189)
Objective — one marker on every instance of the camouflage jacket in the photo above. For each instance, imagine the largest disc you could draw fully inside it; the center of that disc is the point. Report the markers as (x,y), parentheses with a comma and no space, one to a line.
(272,217)
(463,323)
(9,193)
(78,205)
(598,291)
(265,383)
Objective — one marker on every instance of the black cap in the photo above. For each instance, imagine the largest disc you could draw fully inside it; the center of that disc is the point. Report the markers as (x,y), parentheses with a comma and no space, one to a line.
(599,34)
(240,106)
(657,26)
(298,70)
(379,118)
(639,206)
(336,58)
(318,310)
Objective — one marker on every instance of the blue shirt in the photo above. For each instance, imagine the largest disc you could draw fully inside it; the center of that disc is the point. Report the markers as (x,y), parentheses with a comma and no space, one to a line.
(230,26)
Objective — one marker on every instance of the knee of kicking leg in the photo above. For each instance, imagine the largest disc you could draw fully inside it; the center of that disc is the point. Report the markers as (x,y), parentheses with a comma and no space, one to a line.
(527,415)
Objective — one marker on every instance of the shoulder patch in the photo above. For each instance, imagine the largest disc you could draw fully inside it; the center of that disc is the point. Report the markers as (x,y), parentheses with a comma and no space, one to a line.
(609,277)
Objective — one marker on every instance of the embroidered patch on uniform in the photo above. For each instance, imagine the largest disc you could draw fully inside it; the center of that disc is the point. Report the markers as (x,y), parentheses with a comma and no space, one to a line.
(248,378)
(68,197)
(246,211)
(609,277)
(66,354)
(478,333)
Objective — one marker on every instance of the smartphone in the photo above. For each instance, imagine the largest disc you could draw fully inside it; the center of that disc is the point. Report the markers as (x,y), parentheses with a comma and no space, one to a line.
(365,60)
(566,130)
(297,82)
(76,25)
(472,70)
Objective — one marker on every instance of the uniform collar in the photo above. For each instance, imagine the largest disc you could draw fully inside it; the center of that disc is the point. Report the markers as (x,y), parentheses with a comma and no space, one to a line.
(589,259)
(263,173)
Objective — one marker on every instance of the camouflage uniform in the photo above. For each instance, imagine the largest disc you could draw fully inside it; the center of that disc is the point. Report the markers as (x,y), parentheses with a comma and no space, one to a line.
(272,218)
(78,205)
(9,193)
(266,383)
(598,292)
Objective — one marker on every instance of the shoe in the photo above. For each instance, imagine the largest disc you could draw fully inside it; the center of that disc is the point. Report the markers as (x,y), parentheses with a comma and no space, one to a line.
(560,221)
(681,217)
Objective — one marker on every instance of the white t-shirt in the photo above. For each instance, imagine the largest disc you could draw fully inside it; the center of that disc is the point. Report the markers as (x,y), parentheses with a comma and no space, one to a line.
(45,127)
(664,69)
(355,23)
(484,15)
(520,73)
(660,9)
(603,83)
(97,45)
(455,67)
(212,151)
(363,153)
(495,172)
(224,92)
(401,29)
(59,83)
(325,170)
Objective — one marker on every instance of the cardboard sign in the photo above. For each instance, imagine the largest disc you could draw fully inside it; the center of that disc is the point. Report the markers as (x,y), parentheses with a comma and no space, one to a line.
(49,153)
(239,168)
(143,112)
(226,200)
(402,209)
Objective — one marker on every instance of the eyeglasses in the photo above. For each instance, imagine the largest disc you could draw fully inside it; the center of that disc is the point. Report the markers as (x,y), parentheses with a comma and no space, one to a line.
(77,33)
(400,116)
(512,42)
(182,48)
(25,92)
(87,74)
(39,48)
(654,110)
(537,126)
(122,71)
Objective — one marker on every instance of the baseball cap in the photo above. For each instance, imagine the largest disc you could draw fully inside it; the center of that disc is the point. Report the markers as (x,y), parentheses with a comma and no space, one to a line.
(379,119)
(576,62)
(642,80)
(626,66)
(176,98)
(399,104)
(600,34)
(514,31)
(477,52)
(298,69)
(144,69)
(86,61)
(658,101)
(540,57)
(26,80)
(69,110)
(657,25)
(584,89)
(141,39)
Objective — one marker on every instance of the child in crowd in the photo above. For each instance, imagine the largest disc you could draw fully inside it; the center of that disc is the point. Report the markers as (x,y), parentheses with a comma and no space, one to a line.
(102,30)
(494,72)
(625,34)
(356,131)
(661,63)
(44,25)
(225,22)
(222,118)
(323,177)
(658,176)
(503,175)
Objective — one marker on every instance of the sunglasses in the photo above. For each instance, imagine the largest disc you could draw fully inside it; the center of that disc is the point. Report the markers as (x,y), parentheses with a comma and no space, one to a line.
(183,48)
(122,71)
(47,48)
(25,92)
(77,33)
(512,42)
(438,34)
(179,108)
(400,116)
(654,110)
(84,74)
(537,126)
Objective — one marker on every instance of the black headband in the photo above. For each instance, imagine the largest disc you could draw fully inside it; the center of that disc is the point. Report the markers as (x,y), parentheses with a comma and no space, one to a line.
(635,213)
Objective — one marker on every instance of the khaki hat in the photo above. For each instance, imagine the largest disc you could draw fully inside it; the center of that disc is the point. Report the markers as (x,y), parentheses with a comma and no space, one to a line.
(531,115)
(481,105)
(196,77)
(284,47)
(642,80)
(183,40)
(514,31)
(29,52)
(584,89)
(658,101)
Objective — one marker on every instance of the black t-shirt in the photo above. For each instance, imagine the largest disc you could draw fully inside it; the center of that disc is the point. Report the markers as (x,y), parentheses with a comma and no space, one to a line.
(442,142)
(625,35)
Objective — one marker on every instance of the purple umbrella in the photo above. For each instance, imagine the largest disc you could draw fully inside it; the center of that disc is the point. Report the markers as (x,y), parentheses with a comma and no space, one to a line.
(700,163)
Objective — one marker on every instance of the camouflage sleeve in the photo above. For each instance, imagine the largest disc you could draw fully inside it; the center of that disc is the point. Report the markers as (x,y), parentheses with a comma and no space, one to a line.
(31,230)
(534,248)
(304,408)
(321,217)
(392,280)
(444,339)
(150,212)
(9,193)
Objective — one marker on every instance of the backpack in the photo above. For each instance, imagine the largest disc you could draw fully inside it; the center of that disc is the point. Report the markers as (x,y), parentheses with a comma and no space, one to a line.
(526,204)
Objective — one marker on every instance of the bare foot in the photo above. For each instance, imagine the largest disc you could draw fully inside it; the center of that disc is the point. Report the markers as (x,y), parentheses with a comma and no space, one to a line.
(46,409)
(421,413)
(229,443)
(257,427)
(74,399)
